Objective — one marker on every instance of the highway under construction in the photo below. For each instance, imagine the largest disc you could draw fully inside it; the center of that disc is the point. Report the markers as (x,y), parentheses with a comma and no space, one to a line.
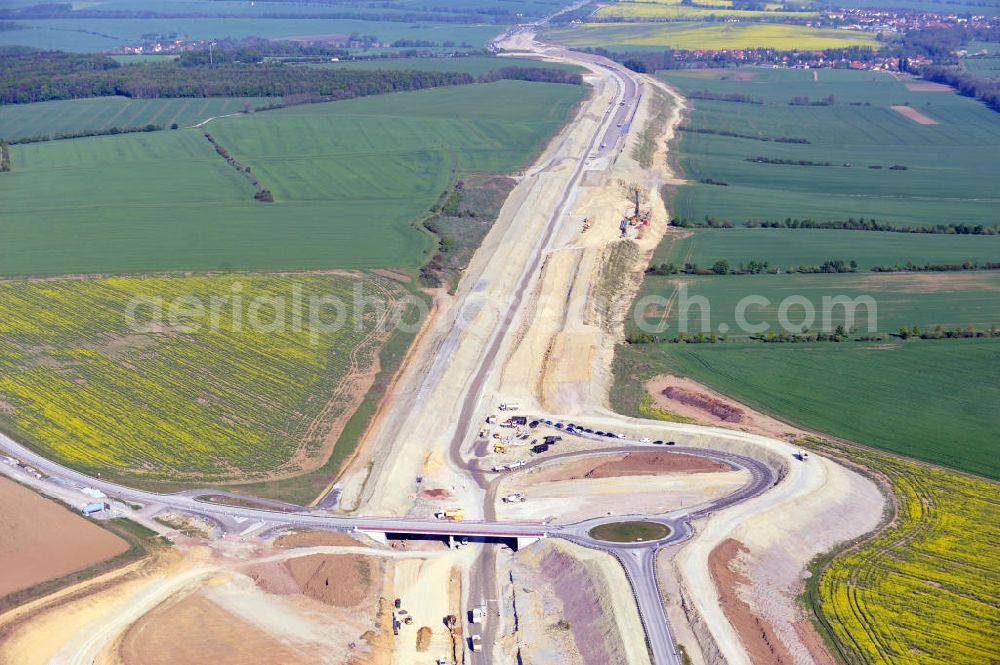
(475,356)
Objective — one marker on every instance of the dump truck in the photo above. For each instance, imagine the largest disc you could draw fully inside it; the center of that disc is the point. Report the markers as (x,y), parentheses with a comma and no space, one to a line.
(803,456)
(490,419)
(476,642)
(477,614)
(455,514)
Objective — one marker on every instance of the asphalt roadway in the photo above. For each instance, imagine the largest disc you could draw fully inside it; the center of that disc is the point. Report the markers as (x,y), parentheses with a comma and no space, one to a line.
(637,559)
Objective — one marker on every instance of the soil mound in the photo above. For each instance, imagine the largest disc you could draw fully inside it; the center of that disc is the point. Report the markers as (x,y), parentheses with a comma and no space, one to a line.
(649,464)
(341,580)
(718,408)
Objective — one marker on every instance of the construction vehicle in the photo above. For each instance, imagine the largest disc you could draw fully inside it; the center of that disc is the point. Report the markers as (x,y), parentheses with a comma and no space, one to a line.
(518,463)
(500,447)
(476,642)
(483,433)
(803,456)
(516,497)
(634,218)
(455,514)
(491,419)
(500,467)
(587,223)
(510,406)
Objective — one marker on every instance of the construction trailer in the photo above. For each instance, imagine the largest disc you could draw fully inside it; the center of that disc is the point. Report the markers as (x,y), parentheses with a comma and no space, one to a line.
(94,508)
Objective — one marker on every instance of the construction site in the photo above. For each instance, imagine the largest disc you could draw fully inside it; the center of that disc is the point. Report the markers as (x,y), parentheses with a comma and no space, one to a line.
(460,530)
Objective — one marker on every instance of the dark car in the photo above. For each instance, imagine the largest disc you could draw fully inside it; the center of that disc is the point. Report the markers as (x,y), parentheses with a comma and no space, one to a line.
(548,422)
(588,430)
(533,423)
(611,434)
(671,443)
(599,433)
(657,443)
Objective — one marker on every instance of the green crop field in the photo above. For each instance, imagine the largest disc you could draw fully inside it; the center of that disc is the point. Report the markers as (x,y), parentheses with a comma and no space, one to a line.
(787,248)
(700,35)
(74,115)
(985,67)
(488,8)
(232,392)
(934,400)
(350,178)
(101,34)
(952,300)
(951,167)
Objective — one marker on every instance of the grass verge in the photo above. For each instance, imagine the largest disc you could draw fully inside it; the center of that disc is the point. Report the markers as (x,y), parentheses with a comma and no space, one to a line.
(630,532)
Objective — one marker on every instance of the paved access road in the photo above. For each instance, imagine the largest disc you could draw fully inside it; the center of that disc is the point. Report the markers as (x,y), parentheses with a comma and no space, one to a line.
(637,559)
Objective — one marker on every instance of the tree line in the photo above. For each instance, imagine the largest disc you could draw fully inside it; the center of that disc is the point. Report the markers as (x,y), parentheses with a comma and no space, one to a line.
(737,135)
(542,74)
(39,77)
(967,84)
(910,266)
(260,192)
(34,76)
(939,332)
(849,224)
(111,131)
(752,267)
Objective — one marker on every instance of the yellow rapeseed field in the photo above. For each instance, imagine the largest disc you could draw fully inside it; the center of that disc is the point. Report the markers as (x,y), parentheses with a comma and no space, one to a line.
(925,590)
(229,400)
(700,35)
(659,10)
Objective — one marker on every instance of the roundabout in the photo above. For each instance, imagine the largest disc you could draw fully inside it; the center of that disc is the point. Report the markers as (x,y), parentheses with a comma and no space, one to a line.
(630,532)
